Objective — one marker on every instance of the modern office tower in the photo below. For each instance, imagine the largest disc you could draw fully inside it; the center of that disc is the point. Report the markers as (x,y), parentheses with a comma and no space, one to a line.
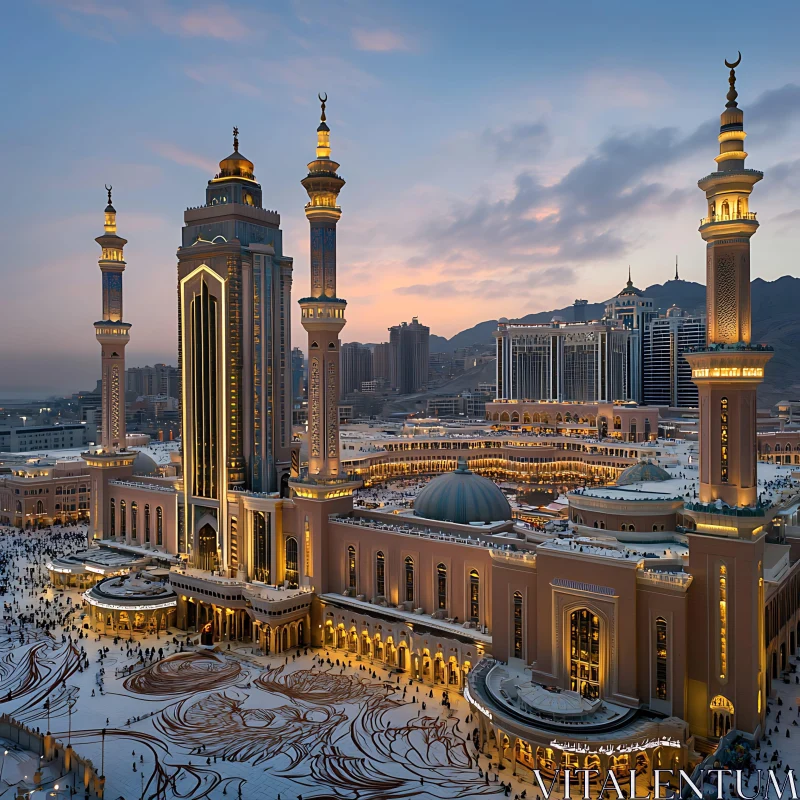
(635,311)
(579,310)
(410,352)
(356,367)
(382,361)
(577,362)
(234,347)
(666,372)
(727,551)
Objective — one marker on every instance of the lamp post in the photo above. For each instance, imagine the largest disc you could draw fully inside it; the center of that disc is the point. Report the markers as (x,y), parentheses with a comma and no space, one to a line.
(70,704)
(2,766)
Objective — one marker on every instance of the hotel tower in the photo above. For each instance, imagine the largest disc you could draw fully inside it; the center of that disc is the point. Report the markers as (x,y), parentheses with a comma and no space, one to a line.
(727,549)
(234,348)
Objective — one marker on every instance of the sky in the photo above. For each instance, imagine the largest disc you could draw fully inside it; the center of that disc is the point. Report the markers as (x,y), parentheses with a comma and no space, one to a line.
(501,158)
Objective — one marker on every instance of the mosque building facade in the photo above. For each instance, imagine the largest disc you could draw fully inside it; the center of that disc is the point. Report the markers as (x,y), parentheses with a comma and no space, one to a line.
(652,623)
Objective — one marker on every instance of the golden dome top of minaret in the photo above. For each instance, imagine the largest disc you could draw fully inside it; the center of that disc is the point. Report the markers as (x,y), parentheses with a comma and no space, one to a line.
(732,115)
(236,165)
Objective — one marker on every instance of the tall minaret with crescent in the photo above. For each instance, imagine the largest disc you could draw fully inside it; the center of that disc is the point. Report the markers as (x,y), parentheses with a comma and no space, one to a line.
(112,461)
(323,312)
(112,333)
(727,525)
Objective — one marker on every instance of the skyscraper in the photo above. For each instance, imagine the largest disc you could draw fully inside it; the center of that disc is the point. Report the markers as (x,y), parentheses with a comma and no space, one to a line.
(667,374)
(234,346)
(381,361)
(410,353)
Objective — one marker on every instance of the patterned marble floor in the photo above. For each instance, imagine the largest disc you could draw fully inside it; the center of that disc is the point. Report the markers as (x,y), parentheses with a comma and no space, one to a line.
(200,724)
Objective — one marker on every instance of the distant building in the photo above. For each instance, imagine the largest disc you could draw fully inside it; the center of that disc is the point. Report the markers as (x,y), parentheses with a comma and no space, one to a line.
(409,354)
(381,361)
(355,368)
(634,311)
(43,437)
(298,376)
(667,376)
(579,310)
(155,380)
(585,362)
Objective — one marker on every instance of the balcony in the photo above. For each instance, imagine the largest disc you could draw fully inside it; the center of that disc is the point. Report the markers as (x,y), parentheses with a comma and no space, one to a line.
(749,216)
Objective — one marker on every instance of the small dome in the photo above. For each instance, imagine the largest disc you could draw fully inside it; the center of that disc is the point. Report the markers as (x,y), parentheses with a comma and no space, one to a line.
(143,464)
(462,496)
(236,165)
(643,472)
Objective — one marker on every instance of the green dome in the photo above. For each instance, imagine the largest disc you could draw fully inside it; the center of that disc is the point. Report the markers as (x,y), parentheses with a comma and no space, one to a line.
(462,496)
(643,472)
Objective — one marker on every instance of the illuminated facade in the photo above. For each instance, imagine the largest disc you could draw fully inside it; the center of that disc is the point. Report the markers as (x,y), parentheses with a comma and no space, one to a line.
(584,362)
(234,287)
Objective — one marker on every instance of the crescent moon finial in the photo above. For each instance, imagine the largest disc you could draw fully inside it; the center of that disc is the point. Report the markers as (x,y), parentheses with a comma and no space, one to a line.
(321,98)
(735,63)
(108,189)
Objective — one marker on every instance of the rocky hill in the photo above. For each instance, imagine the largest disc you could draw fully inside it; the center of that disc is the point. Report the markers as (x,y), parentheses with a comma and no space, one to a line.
(776,321)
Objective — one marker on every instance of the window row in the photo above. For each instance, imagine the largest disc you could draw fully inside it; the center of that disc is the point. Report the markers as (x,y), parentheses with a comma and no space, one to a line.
(134,521)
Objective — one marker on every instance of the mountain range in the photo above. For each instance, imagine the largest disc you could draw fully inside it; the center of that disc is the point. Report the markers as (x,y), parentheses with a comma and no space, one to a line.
(776,321)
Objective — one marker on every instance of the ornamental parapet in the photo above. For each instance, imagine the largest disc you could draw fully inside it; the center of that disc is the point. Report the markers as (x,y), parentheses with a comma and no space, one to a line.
(665,580)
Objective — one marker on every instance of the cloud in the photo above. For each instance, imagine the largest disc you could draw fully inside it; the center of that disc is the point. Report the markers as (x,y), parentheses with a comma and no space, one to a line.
(379,41)
(310,74)
(788,222)
(521,141)
(589,214)
(209,21)
(183,157)
(492,288)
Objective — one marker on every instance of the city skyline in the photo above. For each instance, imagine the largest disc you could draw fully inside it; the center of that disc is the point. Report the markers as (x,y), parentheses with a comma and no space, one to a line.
(518,193)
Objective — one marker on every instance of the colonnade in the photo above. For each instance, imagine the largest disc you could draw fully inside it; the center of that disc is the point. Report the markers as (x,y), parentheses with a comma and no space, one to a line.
(119,622)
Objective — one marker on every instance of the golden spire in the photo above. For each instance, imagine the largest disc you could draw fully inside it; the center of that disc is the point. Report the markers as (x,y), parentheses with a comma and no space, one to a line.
(323,132)
(235,139)
(732,93)
(630,282)
(110,223)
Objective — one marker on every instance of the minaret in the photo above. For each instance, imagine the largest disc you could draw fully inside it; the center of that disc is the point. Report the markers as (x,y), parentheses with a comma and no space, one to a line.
(323,311)
(726,544)
(112,333)
(112,461)
(728,372)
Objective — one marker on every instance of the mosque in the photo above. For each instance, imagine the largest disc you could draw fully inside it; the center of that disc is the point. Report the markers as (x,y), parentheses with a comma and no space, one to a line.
(633,639)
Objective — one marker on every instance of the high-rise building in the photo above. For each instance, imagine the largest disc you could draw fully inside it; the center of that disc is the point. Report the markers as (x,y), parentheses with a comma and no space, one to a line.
(234,349)
(158,379)
(635,311)
(382,361)
(298,375)
(356,367)
(409,355)
(727,548)
(576,362)
(666,372)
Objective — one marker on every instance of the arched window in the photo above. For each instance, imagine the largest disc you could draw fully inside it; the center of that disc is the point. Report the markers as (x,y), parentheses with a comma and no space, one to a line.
(617,423)
(134,519)
(39,507)
(723,438)
(777,448)
(147,522)
(262,543)
(380,574)
(441,587)
(19,506)
(351,567)
(661,658)
(409,578)
(517,625)
(113,516)
(291,572)
(474,597)
(726,209)
(584,665)
(631,527)
(159,526)
(723,621)
(647,428)
(721,716)
(123,522)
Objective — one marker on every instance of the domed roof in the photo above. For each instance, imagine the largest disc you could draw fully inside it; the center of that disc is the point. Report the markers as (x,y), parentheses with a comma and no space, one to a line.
(236,165)
(462,496)
(642,472)
(143,464)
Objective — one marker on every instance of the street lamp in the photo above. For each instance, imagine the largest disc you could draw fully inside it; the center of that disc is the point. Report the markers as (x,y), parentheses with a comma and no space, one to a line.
(2,766)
